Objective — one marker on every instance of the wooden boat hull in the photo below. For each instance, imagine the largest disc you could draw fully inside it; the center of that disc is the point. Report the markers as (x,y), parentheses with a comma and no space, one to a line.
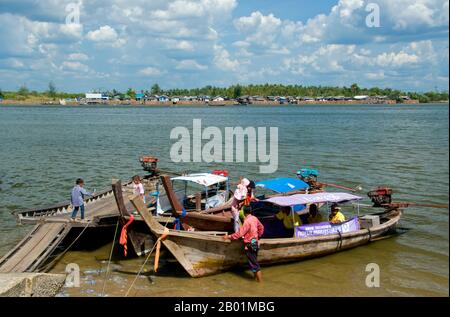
(211,256)
(203,254)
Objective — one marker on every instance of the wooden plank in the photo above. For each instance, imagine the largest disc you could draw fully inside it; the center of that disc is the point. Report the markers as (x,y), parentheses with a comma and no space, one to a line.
(18,245)
(50,248)
(27,253)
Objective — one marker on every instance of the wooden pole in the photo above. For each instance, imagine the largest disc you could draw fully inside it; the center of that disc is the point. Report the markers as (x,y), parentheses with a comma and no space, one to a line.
(118,195)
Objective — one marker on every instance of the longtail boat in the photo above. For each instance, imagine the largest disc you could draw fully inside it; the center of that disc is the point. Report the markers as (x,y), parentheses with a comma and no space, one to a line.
(206,253)
(216,219)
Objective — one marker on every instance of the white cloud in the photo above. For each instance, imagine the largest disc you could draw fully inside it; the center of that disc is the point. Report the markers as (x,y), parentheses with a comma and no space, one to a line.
(266,31)
(190,64)
(151,71)
(195,9)
(72,30)
(223,60)
(74,67)
(103,34)
(182,45)
(77,57)
(393,59)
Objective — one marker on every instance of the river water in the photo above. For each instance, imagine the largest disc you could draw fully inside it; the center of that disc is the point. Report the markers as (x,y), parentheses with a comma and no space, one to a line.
(44,149)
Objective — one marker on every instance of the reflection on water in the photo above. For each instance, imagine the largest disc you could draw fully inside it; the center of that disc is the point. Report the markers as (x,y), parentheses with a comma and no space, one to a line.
(44,149)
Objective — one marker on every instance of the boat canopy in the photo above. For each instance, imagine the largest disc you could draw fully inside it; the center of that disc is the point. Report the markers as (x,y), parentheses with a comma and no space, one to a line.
(304,199)
(283,185)
(205,179)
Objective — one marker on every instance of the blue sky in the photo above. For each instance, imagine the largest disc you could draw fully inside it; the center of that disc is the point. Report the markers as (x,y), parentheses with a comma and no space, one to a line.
(192,43)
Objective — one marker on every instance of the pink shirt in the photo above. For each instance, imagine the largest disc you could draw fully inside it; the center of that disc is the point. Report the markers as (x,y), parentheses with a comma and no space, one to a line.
(252,229)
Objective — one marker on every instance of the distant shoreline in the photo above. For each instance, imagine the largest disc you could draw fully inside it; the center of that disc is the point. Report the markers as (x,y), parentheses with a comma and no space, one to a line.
(7,103)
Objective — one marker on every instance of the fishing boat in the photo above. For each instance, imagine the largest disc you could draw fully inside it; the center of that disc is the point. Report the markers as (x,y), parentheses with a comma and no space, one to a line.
(207,253)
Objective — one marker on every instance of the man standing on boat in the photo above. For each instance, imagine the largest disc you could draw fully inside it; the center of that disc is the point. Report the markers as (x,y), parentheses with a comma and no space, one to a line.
(77,197)
(251,231)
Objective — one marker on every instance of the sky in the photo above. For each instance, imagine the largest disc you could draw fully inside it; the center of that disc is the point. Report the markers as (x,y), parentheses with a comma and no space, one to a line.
(87,45)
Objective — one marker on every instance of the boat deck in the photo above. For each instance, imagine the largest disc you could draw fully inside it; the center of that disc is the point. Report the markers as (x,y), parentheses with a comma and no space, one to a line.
(51,227)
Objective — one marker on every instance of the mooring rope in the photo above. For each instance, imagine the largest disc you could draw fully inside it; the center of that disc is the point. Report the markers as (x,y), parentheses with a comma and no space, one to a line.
(110,257)
(145,262)
(140,270)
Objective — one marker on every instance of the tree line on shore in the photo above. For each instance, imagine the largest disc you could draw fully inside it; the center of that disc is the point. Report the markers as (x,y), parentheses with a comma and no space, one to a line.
(236,91)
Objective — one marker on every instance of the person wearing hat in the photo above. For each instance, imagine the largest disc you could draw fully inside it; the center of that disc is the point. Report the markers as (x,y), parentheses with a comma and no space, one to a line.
(238,199)
(336,216)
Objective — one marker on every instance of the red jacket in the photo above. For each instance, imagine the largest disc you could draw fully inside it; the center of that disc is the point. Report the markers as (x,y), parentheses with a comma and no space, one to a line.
(252,229)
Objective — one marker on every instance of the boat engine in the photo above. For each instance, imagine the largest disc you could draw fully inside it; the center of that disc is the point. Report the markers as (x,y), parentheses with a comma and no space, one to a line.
(149,164)
(309,176)
(381,196)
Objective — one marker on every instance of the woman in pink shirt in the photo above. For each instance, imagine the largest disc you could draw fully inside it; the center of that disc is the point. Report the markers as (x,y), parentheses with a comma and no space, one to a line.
(251,232)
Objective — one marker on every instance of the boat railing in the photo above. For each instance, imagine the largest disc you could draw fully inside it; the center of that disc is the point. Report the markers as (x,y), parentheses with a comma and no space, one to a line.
(54,210)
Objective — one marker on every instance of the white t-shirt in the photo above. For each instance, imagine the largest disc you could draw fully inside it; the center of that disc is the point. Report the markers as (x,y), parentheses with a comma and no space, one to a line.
(138,189)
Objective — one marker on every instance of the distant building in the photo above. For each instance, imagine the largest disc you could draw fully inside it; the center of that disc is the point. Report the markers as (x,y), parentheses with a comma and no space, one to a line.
(140,96)
(163,98)
(361,97)
(93,96)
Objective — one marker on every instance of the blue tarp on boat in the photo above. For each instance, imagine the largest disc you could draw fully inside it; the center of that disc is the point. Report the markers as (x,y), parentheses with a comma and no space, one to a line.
(283,185)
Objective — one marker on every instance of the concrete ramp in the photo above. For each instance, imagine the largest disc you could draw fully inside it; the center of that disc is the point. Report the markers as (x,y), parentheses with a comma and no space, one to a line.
(35,248)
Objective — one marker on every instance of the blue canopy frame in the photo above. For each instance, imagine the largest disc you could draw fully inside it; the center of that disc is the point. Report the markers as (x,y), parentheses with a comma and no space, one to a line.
(283,185)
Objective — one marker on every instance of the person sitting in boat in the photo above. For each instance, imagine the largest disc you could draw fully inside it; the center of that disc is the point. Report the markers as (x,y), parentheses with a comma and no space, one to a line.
(336,216)
(314,215)
(251,232)
(289,218)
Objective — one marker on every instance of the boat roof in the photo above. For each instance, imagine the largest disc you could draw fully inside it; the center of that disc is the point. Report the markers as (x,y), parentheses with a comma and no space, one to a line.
(283,185)
(205,179)
(304,199)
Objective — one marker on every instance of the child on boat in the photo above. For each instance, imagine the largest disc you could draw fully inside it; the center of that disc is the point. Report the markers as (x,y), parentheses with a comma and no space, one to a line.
(138,188)
(251,232)
(77,197)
